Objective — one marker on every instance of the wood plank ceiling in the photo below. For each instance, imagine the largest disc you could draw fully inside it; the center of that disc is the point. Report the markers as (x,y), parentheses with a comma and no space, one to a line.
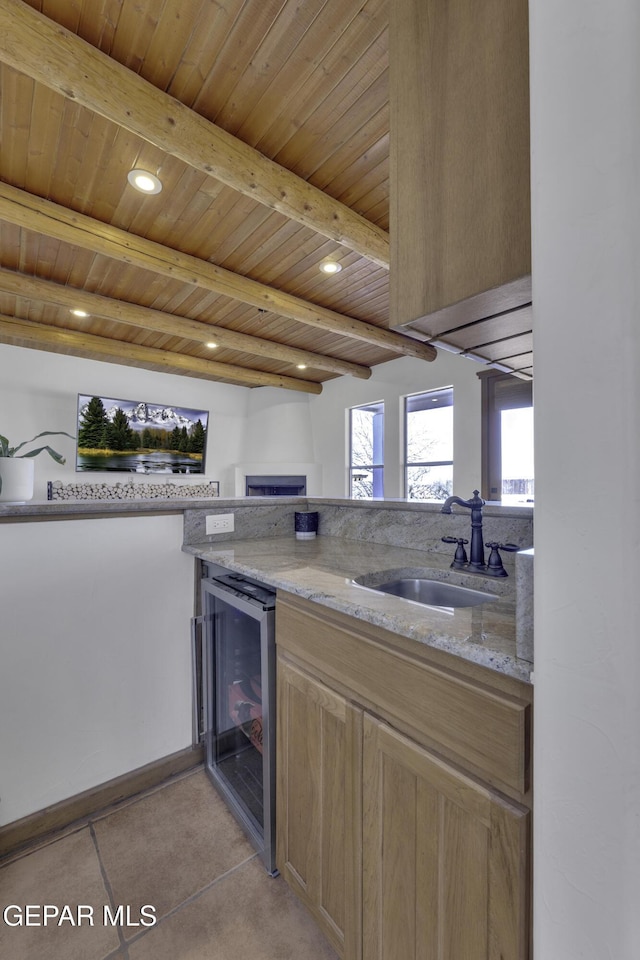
(267,122)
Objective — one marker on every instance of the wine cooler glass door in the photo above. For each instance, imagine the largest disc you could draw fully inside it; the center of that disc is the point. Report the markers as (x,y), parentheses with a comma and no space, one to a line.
(239,663)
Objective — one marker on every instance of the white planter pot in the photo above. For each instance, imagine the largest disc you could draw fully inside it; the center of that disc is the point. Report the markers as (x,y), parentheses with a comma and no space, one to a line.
(17,479)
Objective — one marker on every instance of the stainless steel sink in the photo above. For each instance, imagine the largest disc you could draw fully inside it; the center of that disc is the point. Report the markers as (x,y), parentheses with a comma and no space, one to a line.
(433,593)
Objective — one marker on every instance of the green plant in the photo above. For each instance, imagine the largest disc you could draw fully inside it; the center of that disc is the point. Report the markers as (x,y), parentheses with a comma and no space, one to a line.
(7,451)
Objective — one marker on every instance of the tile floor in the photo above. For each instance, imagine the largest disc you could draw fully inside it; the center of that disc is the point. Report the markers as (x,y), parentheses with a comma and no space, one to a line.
(176,848)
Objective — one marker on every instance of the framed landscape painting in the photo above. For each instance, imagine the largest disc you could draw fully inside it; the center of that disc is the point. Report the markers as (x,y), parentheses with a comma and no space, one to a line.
(135,436)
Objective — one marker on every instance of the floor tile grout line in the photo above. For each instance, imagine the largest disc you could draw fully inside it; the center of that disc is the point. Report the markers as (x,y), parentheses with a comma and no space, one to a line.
(122,951)
(116,955)
(192,898)
(77,825)
(137,797)
(107,885)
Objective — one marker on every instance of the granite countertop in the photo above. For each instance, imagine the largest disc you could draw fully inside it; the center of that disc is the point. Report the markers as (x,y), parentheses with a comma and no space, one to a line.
(80,509)
(108,506)
(322,570)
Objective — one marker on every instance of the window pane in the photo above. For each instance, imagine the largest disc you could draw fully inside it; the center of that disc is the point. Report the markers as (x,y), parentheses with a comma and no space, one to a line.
(505,393)
(366,445)
(429,445)
(517,455)
(430,483)
(362,436)
(430,435)
(366,484)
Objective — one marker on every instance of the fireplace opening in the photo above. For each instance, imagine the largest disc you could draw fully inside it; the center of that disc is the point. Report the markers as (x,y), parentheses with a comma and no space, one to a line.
(276,486)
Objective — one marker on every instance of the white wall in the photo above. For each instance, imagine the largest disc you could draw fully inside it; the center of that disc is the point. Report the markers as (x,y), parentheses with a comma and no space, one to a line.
(94,623)
(279,439)
(94,654)
(585,88)
(39,390)
(288,428)
(278,426)
(391,382)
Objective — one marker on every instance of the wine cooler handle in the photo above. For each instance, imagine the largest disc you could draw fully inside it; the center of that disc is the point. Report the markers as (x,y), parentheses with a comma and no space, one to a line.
(198,680)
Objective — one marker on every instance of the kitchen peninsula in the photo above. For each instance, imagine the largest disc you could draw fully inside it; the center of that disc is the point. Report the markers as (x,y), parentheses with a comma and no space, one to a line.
(400,727)
(356,538)
(99,676)
(323,571)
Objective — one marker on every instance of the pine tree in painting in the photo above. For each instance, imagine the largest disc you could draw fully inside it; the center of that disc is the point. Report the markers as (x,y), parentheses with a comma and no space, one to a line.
(93,426)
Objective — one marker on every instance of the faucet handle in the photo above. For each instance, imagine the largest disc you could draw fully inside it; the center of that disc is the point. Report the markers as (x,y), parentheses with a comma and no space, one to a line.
(460,558)
(494,564)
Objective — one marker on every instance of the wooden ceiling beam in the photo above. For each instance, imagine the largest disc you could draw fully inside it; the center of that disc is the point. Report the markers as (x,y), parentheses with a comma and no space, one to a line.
(46,291)
(44,217)
(45,337)
(62,61)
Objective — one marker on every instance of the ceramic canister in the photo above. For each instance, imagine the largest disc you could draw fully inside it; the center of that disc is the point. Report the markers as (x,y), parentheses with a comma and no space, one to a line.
(306,524)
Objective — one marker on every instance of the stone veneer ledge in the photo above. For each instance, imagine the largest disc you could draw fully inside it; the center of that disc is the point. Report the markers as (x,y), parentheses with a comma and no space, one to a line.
(131,490)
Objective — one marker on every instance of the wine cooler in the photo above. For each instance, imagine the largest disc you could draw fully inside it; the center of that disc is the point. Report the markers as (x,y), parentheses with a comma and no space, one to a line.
(238,700)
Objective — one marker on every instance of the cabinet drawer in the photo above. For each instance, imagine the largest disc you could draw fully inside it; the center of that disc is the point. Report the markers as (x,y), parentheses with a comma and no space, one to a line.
(475,724)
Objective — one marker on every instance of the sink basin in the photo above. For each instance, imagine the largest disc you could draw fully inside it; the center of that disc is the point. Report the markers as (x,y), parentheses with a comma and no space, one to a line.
(433,593)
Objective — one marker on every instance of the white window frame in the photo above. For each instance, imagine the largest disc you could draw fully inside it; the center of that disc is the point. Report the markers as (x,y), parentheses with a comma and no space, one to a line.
(440,395)
(377,466)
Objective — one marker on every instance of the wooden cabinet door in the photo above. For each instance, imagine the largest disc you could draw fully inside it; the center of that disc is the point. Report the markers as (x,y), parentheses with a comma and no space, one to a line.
(319,802)
(445,873)
(460,198)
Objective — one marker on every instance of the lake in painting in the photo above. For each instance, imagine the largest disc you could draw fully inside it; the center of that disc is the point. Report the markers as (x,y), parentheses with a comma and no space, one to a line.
(139,462)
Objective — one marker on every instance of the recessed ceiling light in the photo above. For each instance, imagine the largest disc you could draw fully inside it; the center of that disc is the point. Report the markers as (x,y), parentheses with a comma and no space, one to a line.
(212,346)
(301,366)
(144,181)
(330,266)
(80,313)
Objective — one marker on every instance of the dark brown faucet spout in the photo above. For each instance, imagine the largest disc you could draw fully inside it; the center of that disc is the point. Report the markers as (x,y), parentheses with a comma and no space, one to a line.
(475,504)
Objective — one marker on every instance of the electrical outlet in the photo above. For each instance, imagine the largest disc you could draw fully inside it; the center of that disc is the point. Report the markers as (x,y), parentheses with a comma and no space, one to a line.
(219,523)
